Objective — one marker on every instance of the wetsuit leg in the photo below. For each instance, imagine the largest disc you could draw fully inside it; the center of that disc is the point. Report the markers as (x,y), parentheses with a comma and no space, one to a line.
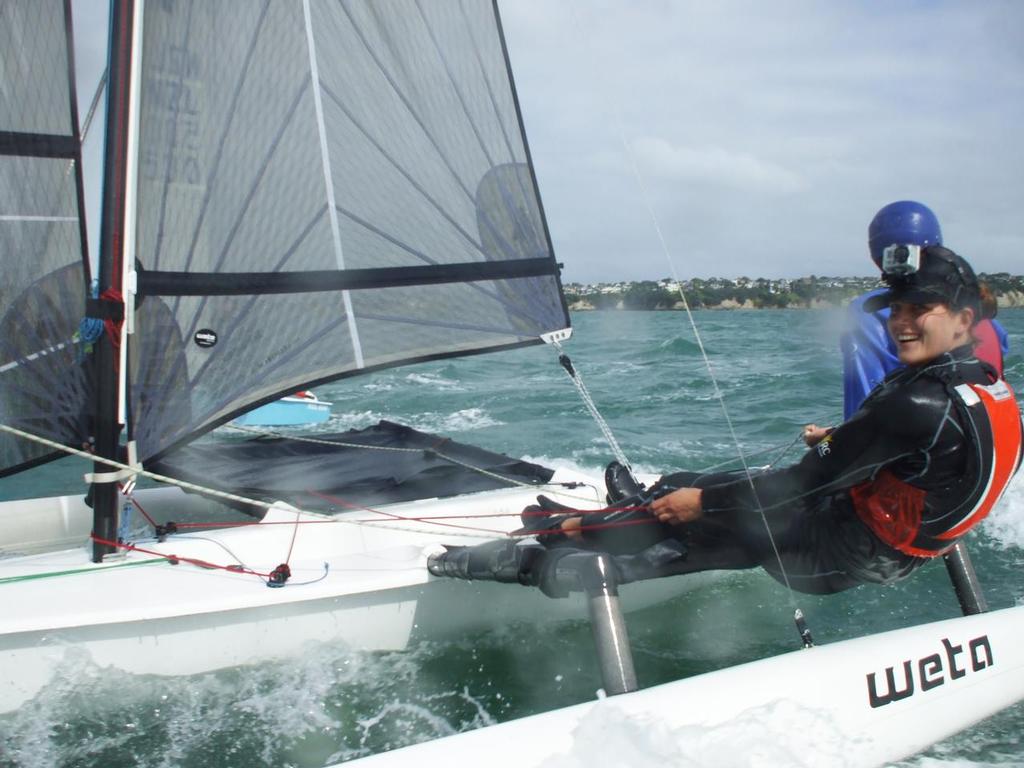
(797,546)
(806,548)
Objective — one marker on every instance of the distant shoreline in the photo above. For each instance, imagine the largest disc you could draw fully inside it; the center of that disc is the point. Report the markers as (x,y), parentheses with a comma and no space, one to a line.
(744,293)
(732,306)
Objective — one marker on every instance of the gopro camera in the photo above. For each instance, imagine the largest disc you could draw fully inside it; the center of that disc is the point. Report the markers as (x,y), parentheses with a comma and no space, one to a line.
(901,259)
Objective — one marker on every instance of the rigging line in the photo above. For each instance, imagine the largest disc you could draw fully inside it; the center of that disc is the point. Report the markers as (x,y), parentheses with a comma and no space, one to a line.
(175,559)
(442,156)
(95,103)
(35,356)
(646,199)
(138,471)
(771,449)
(555,488)
(550,487)
(592,407)
(325,158)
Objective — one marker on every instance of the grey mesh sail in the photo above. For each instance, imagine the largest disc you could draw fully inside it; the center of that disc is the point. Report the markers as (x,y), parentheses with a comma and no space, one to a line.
(43,385)
(325,188)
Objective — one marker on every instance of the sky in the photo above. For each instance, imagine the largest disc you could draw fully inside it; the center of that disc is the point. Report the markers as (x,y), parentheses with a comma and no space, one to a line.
(684,138)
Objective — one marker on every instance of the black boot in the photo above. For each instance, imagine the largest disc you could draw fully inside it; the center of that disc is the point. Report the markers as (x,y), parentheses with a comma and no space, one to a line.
(620,483)
(544,520)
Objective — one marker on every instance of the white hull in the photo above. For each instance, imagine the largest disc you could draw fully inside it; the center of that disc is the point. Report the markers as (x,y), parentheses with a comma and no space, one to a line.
(810,707)
(143,615)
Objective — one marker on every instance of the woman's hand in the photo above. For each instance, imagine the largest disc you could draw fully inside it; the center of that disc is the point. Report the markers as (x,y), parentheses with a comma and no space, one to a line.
(681,506)
(813,434)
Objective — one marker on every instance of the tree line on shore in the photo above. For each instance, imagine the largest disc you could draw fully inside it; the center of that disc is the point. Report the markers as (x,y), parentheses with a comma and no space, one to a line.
(757,294)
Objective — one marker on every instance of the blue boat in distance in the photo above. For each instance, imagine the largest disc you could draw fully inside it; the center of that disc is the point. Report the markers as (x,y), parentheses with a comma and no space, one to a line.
(300,408)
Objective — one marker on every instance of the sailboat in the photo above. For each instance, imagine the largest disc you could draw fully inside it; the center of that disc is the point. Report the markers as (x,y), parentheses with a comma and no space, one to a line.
(296,409)
(294,193)
(298,192)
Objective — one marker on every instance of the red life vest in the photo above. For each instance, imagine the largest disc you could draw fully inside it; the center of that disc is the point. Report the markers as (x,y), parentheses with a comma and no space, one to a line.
(987,349)
(893,509)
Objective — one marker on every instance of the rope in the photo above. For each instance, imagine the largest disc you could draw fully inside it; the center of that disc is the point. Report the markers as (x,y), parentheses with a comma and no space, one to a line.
(646,199)
(620,456)
(175,559)
(252,502)
(340,443)
(78,571)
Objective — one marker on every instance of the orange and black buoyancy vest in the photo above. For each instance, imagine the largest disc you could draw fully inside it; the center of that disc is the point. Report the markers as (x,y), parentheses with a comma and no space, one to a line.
(896,511)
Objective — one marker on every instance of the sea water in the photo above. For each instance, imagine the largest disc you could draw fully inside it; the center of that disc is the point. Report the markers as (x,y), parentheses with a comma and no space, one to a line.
(773,372)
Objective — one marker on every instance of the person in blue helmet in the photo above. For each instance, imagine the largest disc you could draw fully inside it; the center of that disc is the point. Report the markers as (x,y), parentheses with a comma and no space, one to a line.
(869,353)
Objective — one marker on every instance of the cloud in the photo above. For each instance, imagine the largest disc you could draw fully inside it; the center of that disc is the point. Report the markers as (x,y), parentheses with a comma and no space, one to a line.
(713,165)
(769,132)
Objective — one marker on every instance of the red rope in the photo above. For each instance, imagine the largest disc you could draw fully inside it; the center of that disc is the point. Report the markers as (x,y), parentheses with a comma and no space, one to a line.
(393,518)
(138,506)
(113,327)
(175,559)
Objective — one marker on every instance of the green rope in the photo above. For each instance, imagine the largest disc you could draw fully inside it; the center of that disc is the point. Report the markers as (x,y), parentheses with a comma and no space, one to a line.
(74,571)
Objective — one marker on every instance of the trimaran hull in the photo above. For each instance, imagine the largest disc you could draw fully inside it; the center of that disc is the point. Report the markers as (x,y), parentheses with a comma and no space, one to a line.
(363,585)
(828,705)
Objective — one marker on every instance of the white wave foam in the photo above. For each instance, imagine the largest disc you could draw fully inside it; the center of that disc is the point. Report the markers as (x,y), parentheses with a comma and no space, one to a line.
(465,420)
(435,381)
(351,420)
(1005,524)
(757,737)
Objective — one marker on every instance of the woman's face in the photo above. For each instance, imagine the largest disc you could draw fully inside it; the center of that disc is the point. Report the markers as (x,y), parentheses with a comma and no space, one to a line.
(922,332)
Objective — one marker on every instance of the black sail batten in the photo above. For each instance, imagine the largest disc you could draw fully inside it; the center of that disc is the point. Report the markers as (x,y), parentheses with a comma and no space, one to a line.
(152,283)
(38,145)
(44,386)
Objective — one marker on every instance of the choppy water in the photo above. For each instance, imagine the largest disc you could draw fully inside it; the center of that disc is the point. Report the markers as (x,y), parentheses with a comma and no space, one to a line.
(777,370)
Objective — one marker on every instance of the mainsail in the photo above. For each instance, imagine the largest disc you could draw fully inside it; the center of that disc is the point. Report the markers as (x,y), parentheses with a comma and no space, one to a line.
(44,388)
(324,188)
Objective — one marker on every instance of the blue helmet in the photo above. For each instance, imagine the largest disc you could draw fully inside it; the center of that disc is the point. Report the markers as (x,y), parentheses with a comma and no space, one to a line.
(904,222)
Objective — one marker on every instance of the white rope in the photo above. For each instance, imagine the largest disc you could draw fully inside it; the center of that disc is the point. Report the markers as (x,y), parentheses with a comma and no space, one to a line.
(718,394)
(339,443)
(588,401)
(136,471)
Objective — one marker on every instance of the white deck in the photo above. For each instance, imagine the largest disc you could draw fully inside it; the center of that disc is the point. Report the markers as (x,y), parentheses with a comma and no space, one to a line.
(364,585)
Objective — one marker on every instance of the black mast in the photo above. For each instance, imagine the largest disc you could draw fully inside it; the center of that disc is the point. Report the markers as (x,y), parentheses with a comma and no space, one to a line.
(110,306)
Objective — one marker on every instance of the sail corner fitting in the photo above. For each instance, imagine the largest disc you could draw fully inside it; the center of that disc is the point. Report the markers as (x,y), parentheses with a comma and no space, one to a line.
(556,337)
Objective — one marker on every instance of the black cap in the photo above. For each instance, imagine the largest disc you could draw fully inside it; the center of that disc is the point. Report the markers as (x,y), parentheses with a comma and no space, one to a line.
(943,276)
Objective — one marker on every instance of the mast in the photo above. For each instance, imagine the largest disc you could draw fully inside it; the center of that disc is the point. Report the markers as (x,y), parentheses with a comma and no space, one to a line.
(110,305)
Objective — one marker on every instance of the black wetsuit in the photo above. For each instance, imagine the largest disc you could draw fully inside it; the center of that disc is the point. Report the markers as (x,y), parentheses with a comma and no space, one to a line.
(910,426)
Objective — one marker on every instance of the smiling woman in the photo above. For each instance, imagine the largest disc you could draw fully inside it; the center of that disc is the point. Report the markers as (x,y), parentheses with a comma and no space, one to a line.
(935,301)
(922,332)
